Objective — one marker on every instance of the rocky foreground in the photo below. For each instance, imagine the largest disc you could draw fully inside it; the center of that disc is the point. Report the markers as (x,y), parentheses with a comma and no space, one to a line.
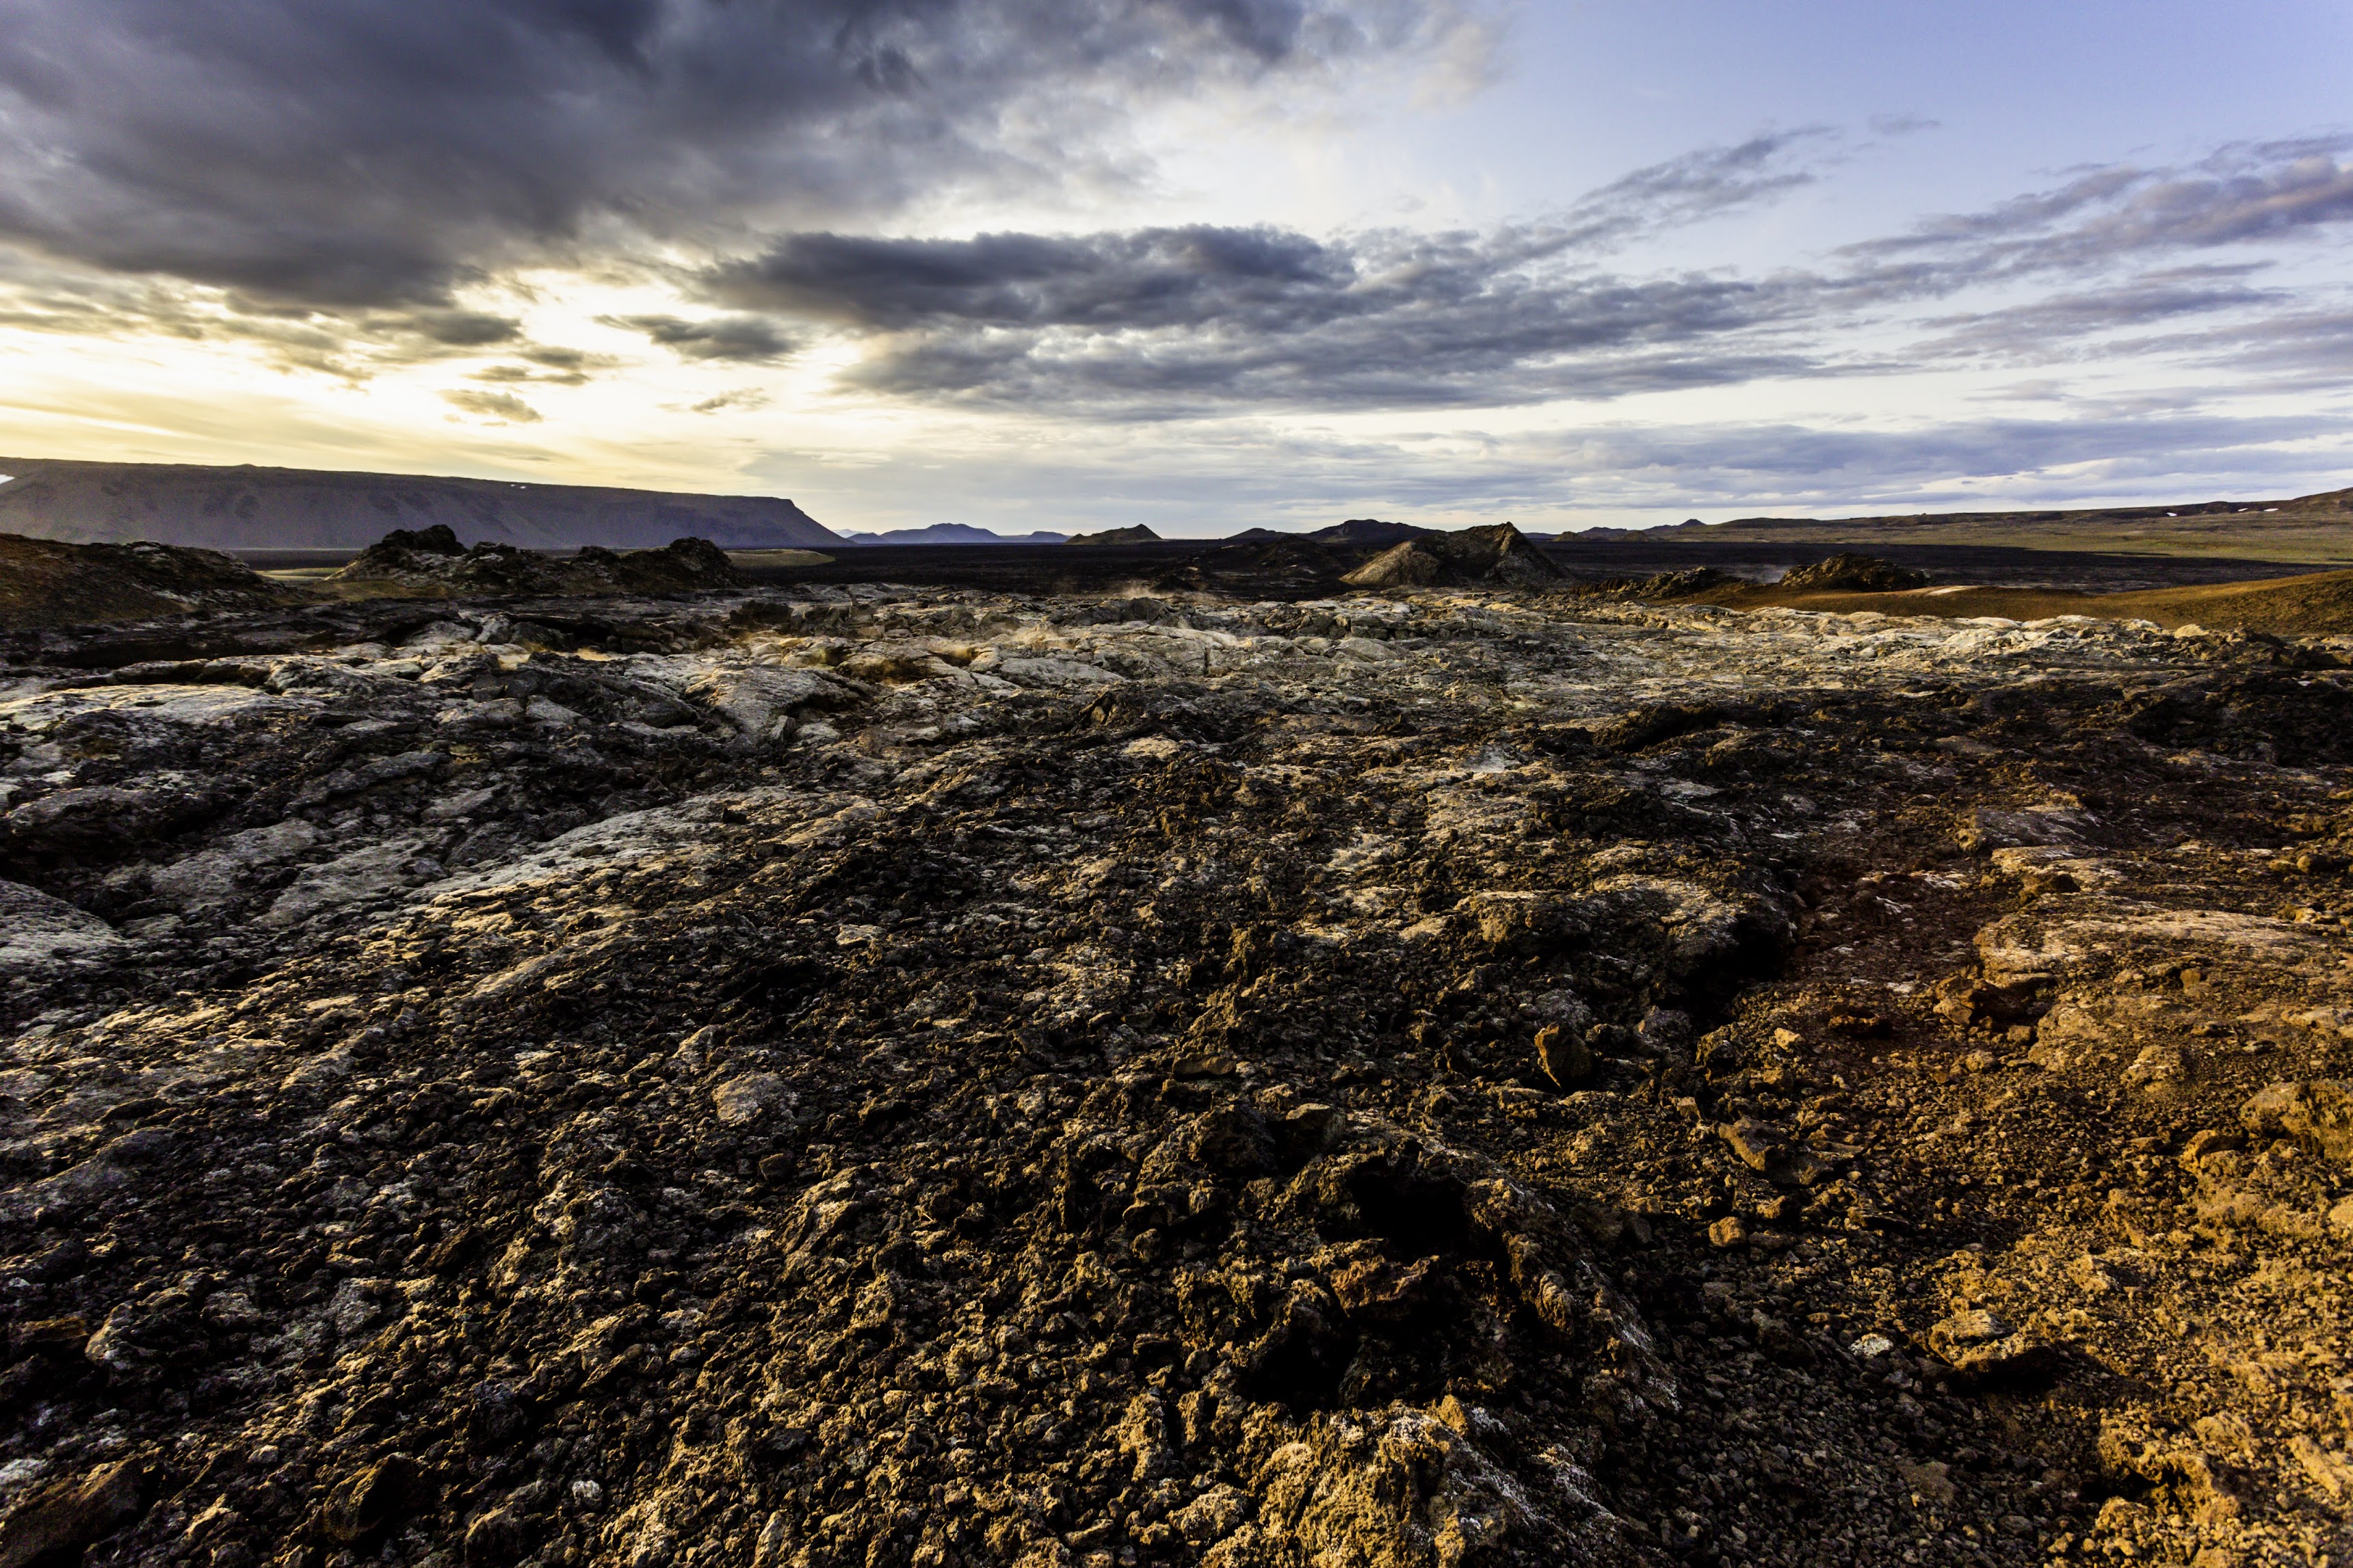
(870,1077)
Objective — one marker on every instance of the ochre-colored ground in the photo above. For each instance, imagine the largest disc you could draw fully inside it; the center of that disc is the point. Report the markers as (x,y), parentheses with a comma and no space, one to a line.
(2317,604)
(2317,530)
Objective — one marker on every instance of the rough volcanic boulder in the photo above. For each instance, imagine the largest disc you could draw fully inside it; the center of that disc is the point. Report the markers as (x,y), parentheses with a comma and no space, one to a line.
(2317,1114)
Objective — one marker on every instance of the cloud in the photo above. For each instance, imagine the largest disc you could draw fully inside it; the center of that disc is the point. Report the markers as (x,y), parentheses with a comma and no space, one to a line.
(559,358)
(2242,193)
(1180,321)
(333,229)
(1168,277)
(2301,348)
(1182,276)
(521,375)
(342,152)
(744,398)
(1168,319)
(464,329)
(2055,326)
(1706,183)
(1906,124)
(748,340)
(500,407)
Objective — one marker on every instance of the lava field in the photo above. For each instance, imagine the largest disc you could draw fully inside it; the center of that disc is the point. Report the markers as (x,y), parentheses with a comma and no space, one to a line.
(868,1075)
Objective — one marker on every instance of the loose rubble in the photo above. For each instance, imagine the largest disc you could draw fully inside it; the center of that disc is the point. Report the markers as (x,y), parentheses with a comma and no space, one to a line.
(1436,1075)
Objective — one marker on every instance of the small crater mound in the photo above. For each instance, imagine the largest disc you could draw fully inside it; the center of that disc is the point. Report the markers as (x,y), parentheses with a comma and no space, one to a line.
(1851,573)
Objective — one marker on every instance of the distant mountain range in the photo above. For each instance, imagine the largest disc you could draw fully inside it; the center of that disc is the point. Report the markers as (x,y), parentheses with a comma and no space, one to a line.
(251,508)
(951,534)
(302,509)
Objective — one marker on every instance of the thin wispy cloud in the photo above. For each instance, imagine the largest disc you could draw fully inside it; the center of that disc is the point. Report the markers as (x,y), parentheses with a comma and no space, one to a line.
(2298,350)
(2058,324)
(2239,194)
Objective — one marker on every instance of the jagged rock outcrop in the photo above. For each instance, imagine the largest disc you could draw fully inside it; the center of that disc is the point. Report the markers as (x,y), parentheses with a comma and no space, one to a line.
(1501,554)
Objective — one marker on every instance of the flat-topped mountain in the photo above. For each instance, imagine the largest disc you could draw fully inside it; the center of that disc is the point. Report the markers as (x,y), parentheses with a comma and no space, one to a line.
(221,508)
(953,533)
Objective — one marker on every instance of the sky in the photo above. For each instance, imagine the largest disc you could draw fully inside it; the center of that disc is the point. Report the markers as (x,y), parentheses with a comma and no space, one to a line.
(1202,265)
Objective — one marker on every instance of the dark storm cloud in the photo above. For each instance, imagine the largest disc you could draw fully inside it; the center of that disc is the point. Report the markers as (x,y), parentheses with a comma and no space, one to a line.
(347,153)
(1171,320)
(1247,278)
(1469,340)
(748,340)
(1176,322)
(1157,277)
(464,329)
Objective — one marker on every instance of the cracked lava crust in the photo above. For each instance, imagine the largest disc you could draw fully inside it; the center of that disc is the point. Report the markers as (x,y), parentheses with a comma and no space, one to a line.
(885,1077)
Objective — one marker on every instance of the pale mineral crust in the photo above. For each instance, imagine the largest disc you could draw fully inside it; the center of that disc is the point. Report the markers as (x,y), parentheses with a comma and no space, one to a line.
(876,1076)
